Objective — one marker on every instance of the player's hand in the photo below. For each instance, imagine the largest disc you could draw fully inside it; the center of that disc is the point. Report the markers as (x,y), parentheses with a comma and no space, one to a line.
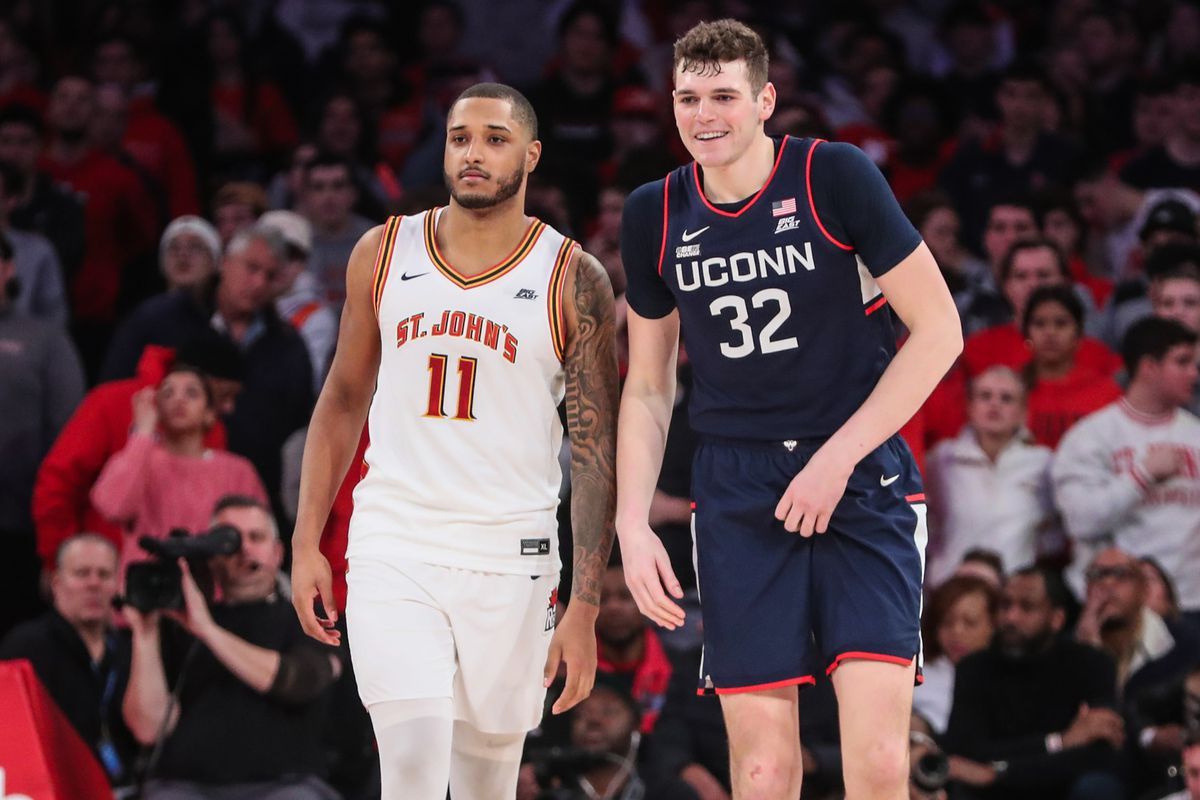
(811,497)
(311,579)
(573,644)
(649,576)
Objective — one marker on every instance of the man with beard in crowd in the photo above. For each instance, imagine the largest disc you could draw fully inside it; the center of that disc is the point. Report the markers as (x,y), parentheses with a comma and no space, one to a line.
(1036,707)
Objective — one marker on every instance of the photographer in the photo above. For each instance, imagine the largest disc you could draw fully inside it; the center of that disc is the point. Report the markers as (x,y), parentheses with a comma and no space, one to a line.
(602,761)
(239,699)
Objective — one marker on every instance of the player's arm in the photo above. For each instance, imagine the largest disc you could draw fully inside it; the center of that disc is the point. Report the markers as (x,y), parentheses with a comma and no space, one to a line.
(858,209)
(590,364)
(646,404)
(918,294)
(333,436)
(591,402)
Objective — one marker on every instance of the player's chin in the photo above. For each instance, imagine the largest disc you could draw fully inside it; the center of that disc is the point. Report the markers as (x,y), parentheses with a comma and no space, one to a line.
(712,157)
(475,200)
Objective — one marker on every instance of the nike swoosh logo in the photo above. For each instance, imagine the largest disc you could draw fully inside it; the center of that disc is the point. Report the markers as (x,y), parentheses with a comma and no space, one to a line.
(407,277)
(687,237)
(888,481)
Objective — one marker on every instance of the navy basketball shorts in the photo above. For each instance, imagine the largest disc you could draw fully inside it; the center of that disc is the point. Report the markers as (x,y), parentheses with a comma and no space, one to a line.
(776,606)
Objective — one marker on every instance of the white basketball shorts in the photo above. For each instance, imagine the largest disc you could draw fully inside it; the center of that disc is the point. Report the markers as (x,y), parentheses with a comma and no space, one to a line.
(419,630)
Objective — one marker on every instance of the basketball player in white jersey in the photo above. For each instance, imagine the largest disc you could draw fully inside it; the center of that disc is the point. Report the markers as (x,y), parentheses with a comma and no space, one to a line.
(464,328)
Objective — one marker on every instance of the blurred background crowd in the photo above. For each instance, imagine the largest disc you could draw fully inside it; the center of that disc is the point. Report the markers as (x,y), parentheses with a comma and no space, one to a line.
(180,188)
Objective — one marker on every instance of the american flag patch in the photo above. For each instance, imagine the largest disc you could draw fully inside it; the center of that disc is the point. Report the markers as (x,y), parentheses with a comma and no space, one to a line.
(782,208)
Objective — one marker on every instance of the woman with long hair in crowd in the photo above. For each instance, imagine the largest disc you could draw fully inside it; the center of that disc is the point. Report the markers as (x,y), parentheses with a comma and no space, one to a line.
(1062,389)
(959,619)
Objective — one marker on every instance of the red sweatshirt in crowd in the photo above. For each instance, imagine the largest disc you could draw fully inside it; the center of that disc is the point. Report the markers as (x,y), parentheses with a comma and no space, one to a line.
(156,144)
(1004,345)
(1056,405)
(119,226)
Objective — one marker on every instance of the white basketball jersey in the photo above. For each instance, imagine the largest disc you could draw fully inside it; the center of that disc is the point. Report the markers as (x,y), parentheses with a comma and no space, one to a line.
(462,469)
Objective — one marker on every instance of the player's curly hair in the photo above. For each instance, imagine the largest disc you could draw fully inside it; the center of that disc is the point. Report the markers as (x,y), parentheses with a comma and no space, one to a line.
(709,44)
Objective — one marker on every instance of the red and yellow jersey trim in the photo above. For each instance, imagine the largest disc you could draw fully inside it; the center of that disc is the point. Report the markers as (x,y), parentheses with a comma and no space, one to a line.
(383,261)
(532,233)
(554,299)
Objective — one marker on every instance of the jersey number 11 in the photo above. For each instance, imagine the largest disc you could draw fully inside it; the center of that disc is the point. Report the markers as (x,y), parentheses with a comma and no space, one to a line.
(437,387)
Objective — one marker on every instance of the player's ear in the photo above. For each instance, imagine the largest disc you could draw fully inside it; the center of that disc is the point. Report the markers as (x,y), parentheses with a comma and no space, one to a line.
(766,101)
(533,154)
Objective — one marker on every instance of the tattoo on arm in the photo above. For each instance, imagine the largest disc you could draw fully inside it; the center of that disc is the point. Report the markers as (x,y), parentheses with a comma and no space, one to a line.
(591,402)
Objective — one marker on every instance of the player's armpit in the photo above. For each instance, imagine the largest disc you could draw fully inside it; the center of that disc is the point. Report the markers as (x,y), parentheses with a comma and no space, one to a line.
(591,402)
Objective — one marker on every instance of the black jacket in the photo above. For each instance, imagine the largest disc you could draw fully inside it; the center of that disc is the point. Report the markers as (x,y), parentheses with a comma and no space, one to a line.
(1004,708)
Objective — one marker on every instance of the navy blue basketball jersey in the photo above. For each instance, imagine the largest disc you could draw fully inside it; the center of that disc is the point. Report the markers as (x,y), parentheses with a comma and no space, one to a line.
(783,320)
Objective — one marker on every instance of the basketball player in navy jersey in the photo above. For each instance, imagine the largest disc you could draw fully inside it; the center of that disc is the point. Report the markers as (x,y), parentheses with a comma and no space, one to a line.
(777,258)
(464,328)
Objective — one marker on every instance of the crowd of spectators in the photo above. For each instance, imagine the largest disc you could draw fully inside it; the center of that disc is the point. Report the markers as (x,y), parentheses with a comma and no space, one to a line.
(181,185)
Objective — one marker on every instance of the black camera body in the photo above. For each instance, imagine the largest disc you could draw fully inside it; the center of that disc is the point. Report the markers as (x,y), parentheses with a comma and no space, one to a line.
(157,584)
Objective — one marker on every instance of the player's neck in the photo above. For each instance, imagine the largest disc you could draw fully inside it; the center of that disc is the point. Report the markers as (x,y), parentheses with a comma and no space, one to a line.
(744,176)
(475,240)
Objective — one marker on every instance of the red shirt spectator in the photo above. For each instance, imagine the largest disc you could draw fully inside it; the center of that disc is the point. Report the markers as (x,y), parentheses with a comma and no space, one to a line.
(1004,345)
(119,216)
(1055,404)
(266,115)
(630,650)
(156,144)
(119,221)
(1063,389)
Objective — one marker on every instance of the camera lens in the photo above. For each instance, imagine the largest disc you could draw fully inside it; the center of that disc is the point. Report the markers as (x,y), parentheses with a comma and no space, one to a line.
(931,772)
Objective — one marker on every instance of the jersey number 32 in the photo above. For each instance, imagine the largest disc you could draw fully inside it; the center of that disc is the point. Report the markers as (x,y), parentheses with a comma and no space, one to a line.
(744,346)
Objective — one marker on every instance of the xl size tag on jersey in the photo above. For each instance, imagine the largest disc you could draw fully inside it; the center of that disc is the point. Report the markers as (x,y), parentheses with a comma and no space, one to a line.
(535,547)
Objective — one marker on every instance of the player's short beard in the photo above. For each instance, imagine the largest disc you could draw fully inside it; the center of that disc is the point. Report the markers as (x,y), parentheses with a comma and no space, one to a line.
(506,189)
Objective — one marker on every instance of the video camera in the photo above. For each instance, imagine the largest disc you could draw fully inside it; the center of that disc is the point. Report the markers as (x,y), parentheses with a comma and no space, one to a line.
(557,768)
(156,584)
